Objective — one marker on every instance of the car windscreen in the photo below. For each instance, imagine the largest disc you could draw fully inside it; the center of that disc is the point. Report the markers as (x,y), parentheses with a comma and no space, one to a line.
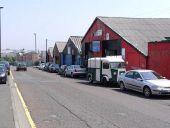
(117,65)
(150,76)
(2,69)
(78,66)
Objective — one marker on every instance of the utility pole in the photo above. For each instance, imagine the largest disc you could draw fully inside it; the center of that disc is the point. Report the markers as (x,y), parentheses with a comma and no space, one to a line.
(46,52)
(0,30)
(35,42)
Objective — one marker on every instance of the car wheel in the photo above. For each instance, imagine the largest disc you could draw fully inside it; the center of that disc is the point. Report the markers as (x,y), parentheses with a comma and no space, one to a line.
(72,75)
(90,78)
(65,74)
(5,81)
(147,92)
(104,81)
(122,86)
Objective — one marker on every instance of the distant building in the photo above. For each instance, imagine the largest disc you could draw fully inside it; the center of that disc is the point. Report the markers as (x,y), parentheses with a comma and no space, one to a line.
(58,52)
(50,54)
(72,51)
(29,57)
(43,56)
(9,53)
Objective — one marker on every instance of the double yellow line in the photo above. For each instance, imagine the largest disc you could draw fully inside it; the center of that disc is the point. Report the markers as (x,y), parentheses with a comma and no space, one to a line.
(27,113)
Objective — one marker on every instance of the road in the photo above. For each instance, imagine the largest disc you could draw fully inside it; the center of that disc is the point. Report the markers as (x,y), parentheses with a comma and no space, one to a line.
(59,102)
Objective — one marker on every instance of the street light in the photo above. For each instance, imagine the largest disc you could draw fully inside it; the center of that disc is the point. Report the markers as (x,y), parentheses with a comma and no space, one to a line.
(46,52)
(35,42)
(0,30)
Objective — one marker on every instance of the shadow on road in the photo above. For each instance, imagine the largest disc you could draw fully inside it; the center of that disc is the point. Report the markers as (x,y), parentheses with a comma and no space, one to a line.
(140,95)
(97,84)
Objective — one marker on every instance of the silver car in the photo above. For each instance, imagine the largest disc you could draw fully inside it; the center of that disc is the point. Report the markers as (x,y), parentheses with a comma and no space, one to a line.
(146,81)
(75,70)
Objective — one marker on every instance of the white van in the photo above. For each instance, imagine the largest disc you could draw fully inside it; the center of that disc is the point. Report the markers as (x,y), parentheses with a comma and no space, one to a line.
(105,69)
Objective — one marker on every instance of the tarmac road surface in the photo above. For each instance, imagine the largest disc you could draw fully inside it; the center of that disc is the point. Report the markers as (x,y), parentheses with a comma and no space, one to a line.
(59,102)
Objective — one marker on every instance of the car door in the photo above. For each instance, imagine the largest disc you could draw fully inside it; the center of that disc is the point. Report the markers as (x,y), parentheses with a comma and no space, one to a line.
(67,70)
(70,70)
(137,82)
(128,80)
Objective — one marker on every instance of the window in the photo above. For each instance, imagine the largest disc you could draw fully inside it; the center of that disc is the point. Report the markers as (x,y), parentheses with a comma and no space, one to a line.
(95,46)
(72,51)
(129,75)
(117,65)
(123,53)
(69,50)
(105,65)
(150,75)
(137,75)
(107,36)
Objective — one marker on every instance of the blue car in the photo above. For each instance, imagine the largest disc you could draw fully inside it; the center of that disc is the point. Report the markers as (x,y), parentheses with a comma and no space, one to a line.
(3,75)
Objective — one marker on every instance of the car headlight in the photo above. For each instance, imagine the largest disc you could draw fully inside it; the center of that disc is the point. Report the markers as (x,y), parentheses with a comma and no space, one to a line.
(160,88)
(2,75)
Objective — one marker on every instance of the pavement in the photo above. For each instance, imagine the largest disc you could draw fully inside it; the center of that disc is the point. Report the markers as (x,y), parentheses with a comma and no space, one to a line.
(6,111)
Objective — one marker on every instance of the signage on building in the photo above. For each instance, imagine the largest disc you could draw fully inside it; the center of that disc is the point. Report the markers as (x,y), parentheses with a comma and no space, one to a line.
(96,46)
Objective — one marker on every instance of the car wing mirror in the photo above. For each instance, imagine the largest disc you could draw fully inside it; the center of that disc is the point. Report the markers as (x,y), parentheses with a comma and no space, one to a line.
(139,79)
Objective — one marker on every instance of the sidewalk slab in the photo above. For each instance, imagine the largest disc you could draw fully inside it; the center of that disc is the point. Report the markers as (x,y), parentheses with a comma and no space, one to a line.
(6,111)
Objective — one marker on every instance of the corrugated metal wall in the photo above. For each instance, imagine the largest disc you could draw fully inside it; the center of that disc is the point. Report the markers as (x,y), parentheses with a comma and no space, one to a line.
(159,58)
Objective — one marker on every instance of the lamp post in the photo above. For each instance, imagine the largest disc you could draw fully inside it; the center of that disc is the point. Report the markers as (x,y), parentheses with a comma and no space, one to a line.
(35,42)
(0,30)
(46,52)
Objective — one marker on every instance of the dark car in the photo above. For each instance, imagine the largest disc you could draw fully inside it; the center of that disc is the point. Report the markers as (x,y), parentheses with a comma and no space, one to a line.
(21,66)
(7,65)
(3,75)
(62,69)
(54,68)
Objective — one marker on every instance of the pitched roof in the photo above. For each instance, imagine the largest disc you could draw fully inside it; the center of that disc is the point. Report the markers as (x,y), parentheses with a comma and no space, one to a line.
(77,41)
(50,50)
(60,45)
(139,31)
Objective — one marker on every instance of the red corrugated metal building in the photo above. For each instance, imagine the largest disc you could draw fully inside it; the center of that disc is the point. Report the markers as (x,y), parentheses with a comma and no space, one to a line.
(159,57)
(128,37)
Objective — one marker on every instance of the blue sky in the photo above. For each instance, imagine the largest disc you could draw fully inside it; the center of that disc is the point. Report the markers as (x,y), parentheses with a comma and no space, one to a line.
(56,20)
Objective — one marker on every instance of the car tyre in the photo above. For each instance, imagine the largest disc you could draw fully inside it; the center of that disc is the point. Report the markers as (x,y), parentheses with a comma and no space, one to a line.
(104,81)
(65,74)
(72,75)
(122,86)
(90,79)
(147,91)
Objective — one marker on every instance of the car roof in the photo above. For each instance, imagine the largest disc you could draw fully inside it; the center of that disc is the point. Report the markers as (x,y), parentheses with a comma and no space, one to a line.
(141,70)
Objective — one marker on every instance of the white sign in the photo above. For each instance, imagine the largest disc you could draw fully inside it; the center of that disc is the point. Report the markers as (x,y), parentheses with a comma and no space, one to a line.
(98,32)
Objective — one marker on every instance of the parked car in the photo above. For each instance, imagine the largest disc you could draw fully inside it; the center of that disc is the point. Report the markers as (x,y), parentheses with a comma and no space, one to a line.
(41,67)
(46,67)
(62,69)
(3,65)
(3,74)
(75,70)
(21,66)
(7,65)
(146,81)
(54,68)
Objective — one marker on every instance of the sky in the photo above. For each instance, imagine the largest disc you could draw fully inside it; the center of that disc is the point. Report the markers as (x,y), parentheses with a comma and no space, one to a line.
(57,20)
